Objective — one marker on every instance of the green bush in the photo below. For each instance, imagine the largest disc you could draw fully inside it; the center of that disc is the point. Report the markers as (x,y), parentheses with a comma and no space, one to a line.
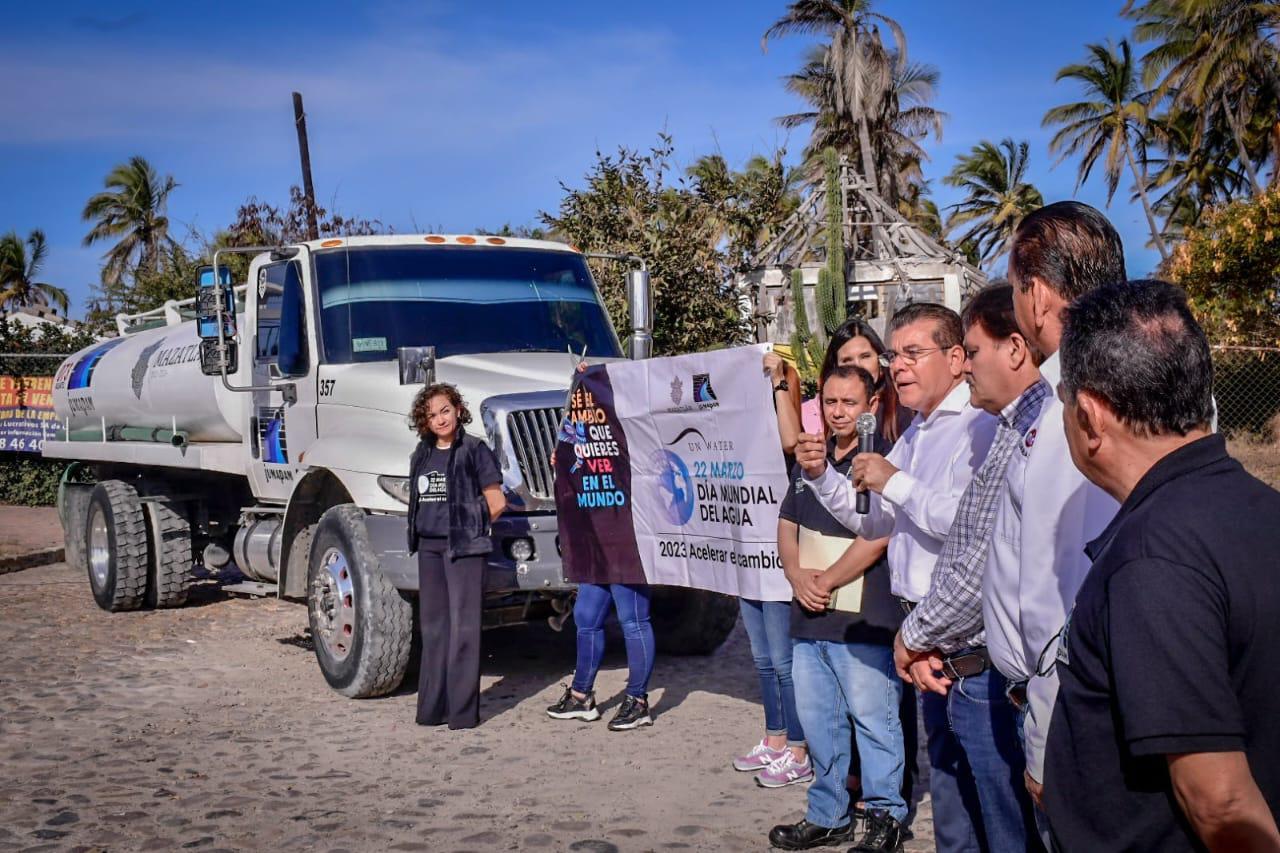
(1229,266)
(28,480)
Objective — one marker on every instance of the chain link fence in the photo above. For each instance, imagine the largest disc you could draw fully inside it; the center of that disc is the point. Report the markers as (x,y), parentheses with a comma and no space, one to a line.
(1247,389)
(26,479)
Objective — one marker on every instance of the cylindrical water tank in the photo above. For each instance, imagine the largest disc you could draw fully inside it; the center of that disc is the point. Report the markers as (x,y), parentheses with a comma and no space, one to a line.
(147,379)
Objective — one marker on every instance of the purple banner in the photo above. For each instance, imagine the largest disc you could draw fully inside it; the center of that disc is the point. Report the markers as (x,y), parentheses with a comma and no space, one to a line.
(593,488)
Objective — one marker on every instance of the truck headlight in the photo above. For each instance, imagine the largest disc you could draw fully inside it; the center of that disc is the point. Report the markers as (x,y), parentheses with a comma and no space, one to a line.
(520,550)
(397,487)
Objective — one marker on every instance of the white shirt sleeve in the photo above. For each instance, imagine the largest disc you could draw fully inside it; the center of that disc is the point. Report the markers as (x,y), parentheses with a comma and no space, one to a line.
(932,506)
(1042,694)
(932,510)
(838,495)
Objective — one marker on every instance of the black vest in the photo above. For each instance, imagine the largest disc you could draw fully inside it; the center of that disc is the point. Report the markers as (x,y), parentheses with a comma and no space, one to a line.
(468,510)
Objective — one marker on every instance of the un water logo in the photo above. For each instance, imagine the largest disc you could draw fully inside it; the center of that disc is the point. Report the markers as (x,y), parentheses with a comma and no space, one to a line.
(675,485)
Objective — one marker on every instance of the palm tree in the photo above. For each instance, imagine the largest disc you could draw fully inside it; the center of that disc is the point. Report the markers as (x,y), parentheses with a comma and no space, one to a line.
(1113,120)
(897,123)
(857,59)
(1187,177)
(18,271)
(997,196)
(1216,57)
(922,211)
(131,211)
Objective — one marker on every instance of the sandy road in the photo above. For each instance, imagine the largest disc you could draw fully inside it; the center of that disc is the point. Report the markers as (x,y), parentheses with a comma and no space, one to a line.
(210,728)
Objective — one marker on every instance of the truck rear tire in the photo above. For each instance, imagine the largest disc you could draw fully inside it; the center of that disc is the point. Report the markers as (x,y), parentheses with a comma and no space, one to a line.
(691,621)
(170,569)
(361,627)
(116,546)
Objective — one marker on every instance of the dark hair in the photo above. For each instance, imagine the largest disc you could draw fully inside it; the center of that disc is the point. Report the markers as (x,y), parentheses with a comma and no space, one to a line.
(947,329)
(419,417)
(856,327)
(1137,347)
(849,371)
(992,309)
(1069,246)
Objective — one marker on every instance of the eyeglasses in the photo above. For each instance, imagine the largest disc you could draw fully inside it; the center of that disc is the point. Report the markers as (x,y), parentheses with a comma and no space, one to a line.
(908,356)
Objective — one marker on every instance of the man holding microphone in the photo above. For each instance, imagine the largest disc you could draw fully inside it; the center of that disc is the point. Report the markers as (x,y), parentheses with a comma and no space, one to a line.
(918,486)
(973,736)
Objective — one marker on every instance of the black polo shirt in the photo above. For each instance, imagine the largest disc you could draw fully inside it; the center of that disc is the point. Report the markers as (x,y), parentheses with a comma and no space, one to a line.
(1173,647)
(881,614)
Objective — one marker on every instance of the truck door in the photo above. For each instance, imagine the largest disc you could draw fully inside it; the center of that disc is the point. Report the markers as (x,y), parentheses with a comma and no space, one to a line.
(284,354)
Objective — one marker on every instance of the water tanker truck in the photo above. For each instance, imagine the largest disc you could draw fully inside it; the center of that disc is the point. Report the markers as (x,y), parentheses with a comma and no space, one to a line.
(264,426)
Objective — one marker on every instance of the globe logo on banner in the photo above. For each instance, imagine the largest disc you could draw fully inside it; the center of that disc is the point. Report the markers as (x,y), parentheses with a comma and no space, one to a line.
(675,484)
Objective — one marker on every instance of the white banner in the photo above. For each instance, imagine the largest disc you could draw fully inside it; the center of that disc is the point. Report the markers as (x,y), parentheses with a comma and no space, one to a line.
(707,470)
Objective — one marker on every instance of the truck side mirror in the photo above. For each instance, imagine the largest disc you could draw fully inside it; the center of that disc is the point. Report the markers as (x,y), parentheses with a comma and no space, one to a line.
(640,307)
(417,365)
(208,312)
(212,355)
(216,306)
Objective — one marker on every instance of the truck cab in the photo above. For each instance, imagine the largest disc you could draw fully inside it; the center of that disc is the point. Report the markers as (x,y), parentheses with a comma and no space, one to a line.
(279,436)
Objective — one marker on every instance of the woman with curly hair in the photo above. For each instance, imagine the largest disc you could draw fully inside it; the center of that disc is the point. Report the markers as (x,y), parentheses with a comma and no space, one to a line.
(455,491)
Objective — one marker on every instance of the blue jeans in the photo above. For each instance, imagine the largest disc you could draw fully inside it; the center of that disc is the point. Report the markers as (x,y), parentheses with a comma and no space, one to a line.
(589,613)
(842,687)
(768,625)
(980,802)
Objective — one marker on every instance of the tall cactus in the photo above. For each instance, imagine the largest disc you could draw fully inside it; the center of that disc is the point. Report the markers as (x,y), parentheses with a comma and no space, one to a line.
(831,298)
(832,295)
(801,337)
(825,296)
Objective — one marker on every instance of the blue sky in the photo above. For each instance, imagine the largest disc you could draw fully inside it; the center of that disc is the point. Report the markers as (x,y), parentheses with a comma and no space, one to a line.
(446,115)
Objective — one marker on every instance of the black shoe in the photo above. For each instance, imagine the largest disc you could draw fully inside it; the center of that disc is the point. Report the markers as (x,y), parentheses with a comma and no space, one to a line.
(804,835)
(632,714)
(570,707)
(883,835)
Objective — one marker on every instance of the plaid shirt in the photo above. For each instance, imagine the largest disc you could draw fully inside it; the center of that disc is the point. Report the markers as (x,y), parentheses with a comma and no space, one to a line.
(949,618)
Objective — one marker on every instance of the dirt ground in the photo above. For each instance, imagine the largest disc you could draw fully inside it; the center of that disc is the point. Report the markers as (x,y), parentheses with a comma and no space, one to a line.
(24,529)
(210,728)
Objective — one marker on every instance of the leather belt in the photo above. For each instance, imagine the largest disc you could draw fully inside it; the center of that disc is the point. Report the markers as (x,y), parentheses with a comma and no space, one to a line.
(907,606)
(1017,693)
(966,664)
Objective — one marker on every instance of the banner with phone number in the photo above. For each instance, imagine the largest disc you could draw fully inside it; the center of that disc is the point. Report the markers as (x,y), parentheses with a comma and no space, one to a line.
(26,413)
(670,471)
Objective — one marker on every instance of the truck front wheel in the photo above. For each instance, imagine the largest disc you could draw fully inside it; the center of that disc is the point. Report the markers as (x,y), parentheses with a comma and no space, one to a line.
(116,546)
(361,627)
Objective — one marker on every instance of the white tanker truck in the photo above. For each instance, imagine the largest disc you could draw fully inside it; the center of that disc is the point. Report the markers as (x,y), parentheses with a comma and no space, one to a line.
(266,425)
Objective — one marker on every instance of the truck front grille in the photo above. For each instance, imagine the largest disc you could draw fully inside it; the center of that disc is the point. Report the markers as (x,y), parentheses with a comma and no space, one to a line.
(533,438)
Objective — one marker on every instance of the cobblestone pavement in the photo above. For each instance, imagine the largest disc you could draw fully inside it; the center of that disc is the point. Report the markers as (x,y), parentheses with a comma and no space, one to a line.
(210,728)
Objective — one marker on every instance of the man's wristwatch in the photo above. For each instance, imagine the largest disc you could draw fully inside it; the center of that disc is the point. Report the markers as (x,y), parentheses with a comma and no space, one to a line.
(781,386)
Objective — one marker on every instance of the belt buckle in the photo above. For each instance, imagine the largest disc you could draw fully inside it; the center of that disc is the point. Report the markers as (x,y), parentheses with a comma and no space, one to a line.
(949,670)
(968,656)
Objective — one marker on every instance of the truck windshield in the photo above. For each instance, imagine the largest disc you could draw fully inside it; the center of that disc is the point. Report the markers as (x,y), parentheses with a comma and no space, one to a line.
(459,300)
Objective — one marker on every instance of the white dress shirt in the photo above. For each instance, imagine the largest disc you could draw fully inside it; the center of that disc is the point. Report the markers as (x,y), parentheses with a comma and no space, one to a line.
(936,458)
(1046,516)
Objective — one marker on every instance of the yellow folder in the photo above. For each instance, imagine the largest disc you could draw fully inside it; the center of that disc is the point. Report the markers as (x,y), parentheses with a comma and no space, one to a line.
(818,552)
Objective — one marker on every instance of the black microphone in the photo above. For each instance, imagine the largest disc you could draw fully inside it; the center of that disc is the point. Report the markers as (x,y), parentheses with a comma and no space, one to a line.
(866,426)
